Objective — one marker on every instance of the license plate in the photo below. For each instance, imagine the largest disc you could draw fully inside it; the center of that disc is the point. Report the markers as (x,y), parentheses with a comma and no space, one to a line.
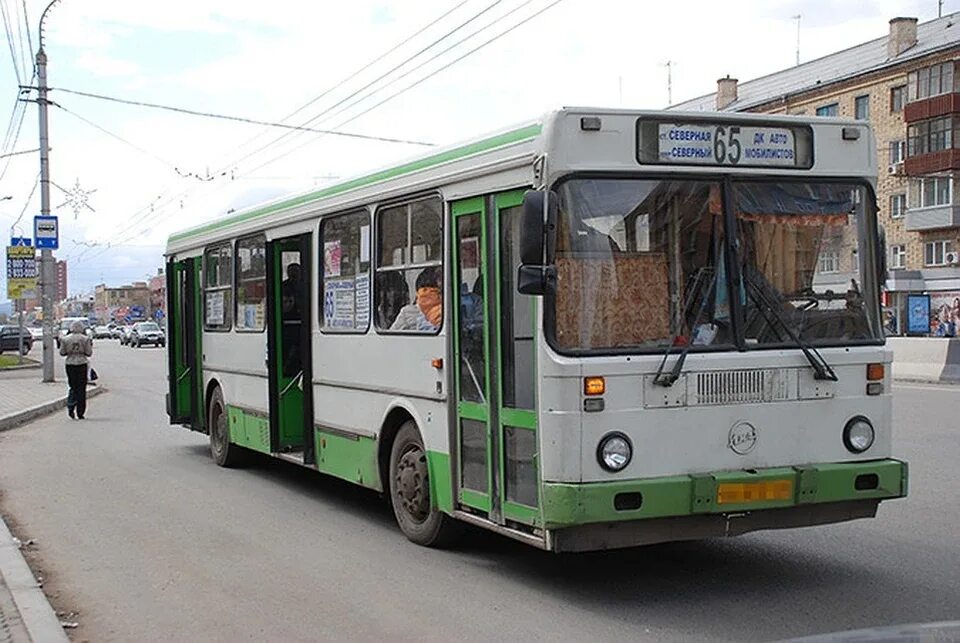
(737,493)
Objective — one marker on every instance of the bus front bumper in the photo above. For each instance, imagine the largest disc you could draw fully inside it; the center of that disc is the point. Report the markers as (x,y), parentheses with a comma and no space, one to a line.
(719,503)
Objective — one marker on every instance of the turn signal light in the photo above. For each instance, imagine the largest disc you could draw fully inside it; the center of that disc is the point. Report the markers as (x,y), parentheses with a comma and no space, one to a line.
(437,362)
(874,372)
(594,386)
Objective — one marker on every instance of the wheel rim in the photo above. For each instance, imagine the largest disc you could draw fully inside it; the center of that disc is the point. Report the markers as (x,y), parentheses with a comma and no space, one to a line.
(411,484)
(219,427)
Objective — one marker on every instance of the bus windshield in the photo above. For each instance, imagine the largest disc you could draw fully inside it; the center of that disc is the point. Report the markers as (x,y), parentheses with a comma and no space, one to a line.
(641,265)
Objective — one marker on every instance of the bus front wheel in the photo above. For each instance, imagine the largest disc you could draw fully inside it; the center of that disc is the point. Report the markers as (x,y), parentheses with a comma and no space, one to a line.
(419,519)
(225,453)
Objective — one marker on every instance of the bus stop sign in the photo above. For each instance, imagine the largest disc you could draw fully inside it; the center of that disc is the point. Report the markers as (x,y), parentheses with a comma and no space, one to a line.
(46,232)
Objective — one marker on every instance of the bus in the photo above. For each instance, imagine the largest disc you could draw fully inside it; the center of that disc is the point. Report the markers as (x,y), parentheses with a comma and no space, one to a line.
(602,329)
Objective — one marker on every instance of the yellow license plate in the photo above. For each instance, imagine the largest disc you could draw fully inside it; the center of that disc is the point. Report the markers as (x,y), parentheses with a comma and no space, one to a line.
(736,493)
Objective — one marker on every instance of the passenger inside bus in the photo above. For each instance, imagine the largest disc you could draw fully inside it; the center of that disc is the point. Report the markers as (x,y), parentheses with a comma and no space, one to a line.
(392,295)
(426,313)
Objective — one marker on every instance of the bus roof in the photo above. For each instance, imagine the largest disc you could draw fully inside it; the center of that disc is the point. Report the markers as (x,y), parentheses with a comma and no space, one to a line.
(523,135)
(518,134)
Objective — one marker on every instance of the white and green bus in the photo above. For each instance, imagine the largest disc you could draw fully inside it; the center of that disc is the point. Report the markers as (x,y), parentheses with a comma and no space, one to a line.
(601,329)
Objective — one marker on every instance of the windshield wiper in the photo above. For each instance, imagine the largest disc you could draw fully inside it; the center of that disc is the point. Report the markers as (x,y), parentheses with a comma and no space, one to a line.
(821,369)
(668,379)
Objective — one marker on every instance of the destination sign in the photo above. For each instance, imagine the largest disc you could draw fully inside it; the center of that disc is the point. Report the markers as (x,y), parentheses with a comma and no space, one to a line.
(723,144)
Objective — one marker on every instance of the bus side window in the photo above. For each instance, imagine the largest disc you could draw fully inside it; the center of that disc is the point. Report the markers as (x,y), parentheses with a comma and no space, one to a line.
(409,272)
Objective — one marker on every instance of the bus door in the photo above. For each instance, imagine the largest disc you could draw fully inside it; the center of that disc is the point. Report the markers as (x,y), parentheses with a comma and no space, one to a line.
(496,448)
(183,348)
(288,347)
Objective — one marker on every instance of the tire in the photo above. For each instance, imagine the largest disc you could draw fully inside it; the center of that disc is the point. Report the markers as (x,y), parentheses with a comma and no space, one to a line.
(24,349)
(419,520)
(224,453)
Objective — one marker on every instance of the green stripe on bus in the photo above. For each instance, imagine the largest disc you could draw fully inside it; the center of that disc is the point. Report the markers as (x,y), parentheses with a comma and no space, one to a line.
(441,483)
(565,504)
(348,458)
(507,138)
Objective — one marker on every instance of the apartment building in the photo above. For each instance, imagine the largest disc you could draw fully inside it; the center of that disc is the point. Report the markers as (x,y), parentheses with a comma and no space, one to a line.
(907,85)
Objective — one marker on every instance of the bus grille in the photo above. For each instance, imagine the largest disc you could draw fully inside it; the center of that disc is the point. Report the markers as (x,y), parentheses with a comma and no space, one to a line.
(742,387)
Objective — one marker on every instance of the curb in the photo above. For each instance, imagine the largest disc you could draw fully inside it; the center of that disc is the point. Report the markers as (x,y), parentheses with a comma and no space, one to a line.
(36,613)
(921,380)
(21,367)
(34,412)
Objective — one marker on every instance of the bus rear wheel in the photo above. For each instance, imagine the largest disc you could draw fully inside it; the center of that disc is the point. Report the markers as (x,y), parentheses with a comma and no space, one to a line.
(419,519)
(224,452)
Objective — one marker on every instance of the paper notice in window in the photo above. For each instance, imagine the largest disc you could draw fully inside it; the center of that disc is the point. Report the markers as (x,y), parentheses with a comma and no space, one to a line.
(364,244)
(338,303)
(363,300)
(332,254)
(215,308)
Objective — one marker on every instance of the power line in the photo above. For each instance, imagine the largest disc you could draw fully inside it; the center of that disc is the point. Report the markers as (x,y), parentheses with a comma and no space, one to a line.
(429,60)
(121,238)
(24,57)
(144,211)
(425,78)
(123,140)
(365,67)
(375,80)
(26,22)
(239,119)
(10,44)
(27,204)
(19,153)
(14,140)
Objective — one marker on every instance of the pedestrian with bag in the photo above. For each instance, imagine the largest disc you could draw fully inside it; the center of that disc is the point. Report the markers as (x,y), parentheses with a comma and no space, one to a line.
(77,347)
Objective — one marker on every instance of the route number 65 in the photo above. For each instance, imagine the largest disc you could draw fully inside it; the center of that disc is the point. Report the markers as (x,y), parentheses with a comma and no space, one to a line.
(729,150)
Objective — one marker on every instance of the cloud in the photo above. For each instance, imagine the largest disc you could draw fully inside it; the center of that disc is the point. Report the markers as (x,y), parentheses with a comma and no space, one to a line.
(102,65)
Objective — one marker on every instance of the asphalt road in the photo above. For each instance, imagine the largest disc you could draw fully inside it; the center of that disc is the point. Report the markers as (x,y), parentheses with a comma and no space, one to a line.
(142,534)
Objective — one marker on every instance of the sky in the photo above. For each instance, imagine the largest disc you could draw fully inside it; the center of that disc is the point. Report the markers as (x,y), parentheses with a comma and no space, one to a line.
(138,174)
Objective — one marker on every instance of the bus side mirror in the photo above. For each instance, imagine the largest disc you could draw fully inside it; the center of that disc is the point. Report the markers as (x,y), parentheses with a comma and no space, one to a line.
(538,222)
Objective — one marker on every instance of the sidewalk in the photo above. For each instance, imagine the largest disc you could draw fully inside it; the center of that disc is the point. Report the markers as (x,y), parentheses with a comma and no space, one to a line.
(23,397)
(25,613)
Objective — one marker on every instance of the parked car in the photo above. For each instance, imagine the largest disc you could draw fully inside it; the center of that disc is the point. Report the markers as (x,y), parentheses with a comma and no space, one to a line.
(10,340)
(147,333)
(65,325)
(102,332)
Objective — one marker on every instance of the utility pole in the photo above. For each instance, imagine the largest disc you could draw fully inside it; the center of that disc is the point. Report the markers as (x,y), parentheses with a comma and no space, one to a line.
(797,18)
(669,66)
(47,268)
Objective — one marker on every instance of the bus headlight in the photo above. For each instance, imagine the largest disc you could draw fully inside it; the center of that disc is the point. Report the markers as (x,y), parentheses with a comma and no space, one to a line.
(858,435)
(614,451)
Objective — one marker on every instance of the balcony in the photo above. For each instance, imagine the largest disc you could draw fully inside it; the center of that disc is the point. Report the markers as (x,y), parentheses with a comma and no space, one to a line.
(930,162)
(932,218)
(931,107)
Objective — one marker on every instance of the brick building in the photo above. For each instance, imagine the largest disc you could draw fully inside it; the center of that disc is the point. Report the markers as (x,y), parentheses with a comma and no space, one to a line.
(158,294)
(907,84)
(117,303)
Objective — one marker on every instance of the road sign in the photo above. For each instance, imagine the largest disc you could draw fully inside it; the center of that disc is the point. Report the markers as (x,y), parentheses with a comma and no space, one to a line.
(21,271)
(21,241)
(46,232)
